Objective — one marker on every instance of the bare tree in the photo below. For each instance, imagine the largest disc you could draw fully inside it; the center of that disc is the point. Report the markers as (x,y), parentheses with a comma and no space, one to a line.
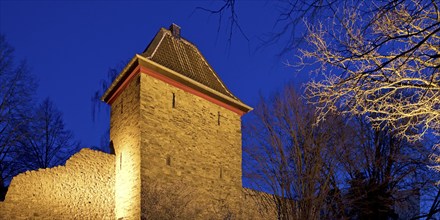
(435,156)
(97,104)
(179,201)
(379,58)
(383,64)
(105,83)
(434,208)
(17,88)
(46,142)
(385,175)
(161,201)
(227,10)
(374,59)
(290,157)
(339,169)
(287,28)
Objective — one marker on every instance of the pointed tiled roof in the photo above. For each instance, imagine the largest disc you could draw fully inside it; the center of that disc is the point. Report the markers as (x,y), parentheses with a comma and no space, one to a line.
(176,53)
(175,60)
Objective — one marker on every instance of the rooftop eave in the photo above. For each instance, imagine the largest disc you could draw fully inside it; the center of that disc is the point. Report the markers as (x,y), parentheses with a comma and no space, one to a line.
(119,79)
(139,60)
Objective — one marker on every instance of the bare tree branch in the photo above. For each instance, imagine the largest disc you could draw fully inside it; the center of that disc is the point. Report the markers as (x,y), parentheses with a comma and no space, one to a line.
(228,10)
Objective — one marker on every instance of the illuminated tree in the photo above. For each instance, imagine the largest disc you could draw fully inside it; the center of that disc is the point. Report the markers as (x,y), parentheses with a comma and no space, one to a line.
(383,64)
(381,60)
(374,58)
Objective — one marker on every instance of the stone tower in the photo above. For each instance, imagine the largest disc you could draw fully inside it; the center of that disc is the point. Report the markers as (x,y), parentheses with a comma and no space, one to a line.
(174,121)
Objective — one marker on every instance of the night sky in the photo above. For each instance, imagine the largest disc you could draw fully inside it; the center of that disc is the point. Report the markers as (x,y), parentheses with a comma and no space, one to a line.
(70,46)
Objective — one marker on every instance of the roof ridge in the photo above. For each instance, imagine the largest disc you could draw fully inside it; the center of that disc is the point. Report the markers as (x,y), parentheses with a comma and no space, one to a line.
(204,61)
(155,49)
(215,73)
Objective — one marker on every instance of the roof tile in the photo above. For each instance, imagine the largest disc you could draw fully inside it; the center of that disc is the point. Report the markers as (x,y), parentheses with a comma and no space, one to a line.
(183,57)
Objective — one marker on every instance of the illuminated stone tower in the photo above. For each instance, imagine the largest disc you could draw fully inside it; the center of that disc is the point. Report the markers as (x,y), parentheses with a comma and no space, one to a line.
(174,121)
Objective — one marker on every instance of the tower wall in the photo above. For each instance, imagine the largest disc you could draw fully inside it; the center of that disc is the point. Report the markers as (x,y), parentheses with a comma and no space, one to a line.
(187,140)
(125,135)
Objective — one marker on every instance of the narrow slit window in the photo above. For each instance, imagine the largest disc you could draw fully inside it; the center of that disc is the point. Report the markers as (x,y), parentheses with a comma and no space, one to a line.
(218,118)
(168,160)
(221,172)
(174,100)
(120,162)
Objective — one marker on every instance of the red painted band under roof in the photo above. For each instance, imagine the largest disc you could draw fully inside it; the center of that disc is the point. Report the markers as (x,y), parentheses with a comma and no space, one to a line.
(152,73)
(124,84)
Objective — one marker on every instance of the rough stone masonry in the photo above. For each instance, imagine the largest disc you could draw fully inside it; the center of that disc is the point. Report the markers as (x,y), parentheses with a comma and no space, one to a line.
(173,122)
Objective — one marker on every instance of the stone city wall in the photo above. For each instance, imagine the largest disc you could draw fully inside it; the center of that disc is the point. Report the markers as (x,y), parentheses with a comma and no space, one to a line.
(258,205)
(82,189)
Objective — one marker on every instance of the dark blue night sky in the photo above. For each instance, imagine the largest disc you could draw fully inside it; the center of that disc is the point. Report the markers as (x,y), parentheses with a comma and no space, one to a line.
(70,46)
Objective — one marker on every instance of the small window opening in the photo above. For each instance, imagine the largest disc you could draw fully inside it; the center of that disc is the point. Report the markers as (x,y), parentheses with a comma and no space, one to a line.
(221,172)
(174,100)
(218,118)
(168,160)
